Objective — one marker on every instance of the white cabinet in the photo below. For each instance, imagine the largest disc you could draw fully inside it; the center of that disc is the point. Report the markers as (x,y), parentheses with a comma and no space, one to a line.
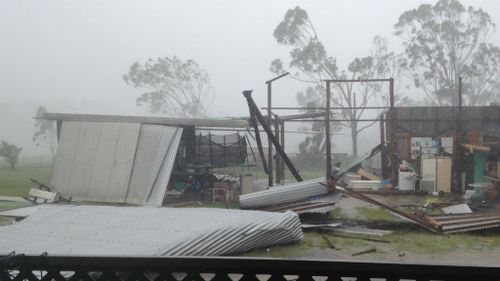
(436,174)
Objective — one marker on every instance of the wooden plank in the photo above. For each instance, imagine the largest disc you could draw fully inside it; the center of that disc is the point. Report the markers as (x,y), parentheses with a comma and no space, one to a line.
(473,147)
(364,173)
(42,194)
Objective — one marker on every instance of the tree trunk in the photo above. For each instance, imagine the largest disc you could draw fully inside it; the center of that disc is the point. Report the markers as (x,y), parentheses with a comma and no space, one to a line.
(354,138)
(12,164)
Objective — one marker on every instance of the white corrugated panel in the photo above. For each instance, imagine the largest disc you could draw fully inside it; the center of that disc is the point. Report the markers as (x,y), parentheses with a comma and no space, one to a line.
(154,159)
(283,194)
(65,155)
(145,231)
(114,160)
(94,160)
(171,139)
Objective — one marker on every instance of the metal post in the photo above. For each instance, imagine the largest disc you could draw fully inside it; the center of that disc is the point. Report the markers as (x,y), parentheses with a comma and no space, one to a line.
(254,111)
(278,158)
(327,134)
(458,138)
(393,143)
(270,147)
(384,151)
(269,122)
(282,166)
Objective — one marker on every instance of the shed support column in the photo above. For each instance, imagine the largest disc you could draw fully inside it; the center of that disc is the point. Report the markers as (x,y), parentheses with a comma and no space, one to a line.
(458,139)
(393,143)
(282,166)
(278,158)
(269,144)
(327,134)
(384,150)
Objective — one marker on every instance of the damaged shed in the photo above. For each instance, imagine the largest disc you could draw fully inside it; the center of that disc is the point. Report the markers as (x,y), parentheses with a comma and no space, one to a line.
(441,143)
(128,159)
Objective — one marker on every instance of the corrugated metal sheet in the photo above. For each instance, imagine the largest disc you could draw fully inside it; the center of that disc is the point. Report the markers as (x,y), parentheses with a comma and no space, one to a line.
(283,194)
(63,161)
(442,120)
(115,162)
(171,140)
(133,231)
(94,160)
(468,222)
(149,156)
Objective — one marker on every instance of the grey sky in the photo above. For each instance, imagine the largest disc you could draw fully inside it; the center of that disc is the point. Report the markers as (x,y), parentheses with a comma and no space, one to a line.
(70,55)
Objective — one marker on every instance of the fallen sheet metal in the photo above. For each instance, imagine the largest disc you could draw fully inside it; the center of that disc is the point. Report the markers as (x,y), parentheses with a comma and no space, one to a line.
(21,212)
(437,224)
(467,222)
(364,231)
(318,206)
(325,226)
(284,194)
(146,231)
(457,209)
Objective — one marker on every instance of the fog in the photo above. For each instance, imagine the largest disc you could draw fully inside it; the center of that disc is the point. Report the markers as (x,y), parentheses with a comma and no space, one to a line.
(69,56)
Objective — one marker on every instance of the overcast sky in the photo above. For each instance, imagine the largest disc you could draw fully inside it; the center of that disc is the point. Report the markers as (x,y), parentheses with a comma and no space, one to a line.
(70,55)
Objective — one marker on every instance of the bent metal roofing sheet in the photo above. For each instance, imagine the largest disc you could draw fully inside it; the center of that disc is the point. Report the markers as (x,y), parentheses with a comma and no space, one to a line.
(146,231)
(114,162)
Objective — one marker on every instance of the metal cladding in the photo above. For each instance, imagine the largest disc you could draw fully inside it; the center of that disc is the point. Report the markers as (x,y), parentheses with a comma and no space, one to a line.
(283,194)
(145,231)
(114,162)
(316,206)
(168,121)
(467,222)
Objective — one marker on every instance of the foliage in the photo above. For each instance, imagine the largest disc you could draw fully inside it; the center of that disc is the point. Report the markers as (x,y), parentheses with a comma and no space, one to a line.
(446,41)
(310,62)
(10,152)
(46,131)
(173,86)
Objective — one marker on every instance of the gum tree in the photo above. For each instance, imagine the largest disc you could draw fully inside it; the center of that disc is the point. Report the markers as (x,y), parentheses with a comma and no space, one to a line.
(445,41)
(172,86)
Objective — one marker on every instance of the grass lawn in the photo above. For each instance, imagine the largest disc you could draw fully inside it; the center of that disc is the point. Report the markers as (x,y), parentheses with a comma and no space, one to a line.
(17,182)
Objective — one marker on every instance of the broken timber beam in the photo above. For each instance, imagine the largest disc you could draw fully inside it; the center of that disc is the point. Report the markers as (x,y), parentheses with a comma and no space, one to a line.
(422,221)
(254,110)
(259,141)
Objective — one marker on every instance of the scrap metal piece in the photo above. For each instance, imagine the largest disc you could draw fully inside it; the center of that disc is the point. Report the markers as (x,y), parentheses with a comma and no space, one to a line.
(468,222)
(457,209)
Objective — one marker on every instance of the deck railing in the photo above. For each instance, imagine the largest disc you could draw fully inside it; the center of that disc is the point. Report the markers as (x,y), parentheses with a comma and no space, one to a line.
(20,267)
